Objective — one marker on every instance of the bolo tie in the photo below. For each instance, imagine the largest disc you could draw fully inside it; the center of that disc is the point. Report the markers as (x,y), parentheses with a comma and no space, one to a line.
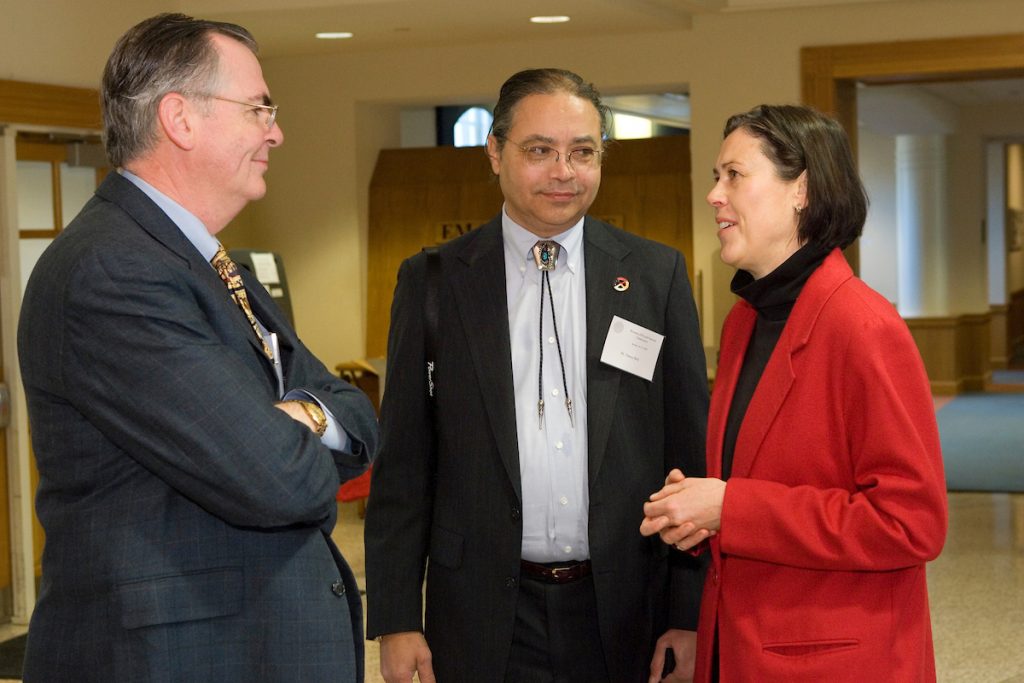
(545,254)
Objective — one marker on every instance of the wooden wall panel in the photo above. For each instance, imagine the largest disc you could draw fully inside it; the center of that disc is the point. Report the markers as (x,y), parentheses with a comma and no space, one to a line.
(999,338)
(421,197)
(646,185)
(955,351)
(973,346)
(936,339)
(49,105)
(1015,320)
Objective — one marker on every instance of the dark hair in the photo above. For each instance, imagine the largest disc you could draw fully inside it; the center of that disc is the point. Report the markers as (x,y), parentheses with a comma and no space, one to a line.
(797,139)
(542,82)
(163,54)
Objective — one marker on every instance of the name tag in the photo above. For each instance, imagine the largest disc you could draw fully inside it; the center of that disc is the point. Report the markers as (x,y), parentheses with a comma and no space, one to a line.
(632,348)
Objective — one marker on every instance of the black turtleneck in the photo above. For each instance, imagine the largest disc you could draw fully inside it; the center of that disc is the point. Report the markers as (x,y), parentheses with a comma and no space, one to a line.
(773,297)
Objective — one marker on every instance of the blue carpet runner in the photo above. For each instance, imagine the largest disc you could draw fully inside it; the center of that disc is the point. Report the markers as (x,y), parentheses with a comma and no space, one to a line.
(983,442)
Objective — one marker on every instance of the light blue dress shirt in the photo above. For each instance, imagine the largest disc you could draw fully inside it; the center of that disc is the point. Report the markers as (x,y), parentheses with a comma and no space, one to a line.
(206,244)
(552,450)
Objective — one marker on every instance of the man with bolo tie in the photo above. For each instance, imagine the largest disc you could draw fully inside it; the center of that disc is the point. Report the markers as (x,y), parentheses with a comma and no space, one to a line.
(568,377)
(189,446)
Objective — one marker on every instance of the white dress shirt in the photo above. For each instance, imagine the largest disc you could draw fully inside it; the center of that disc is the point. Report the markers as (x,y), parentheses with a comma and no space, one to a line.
(552,450)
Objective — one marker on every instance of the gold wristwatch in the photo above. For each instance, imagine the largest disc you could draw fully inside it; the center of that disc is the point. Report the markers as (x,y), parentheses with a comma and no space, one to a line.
(316,414)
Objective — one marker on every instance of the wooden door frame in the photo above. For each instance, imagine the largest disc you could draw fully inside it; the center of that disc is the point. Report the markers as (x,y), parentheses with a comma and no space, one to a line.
(829,74)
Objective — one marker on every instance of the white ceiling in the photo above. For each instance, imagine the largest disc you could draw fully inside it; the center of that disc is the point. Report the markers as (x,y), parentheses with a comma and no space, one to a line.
(282,29)
(285,27)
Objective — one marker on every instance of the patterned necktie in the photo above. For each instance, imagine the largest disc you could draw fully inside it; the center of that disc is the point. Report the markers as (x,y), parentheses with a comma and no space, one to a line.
(228,271)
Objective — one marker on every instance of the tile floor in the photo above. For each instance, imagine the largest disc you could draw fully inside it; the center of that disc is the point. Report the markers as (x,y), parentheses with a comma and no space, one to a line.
(976,589)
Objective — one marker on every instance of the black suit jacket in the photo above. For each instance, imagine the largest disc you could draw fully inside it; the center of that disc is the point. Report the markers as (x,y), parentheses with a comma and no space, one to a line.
(446,493)
(187,519)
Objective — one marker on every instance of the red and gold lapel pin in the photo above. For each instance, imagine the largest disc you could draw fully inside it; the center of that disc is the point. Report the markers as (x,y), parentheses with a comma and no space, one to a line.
(621,284)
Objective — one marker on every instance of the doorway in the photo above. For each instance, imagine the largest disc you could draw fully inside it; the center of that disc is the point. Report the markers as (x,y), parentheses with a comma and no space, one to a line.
(37,122)
(956,348)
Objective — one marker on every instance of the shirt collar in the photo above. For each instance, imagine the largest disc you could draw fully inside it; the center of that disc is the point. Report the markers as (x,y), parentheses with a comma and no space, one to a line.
(190,226)
(519,242)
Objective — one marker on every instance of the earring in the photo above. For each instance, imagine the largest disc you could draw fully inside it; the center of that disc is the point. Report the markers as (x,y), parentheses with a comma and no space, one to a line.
(798,209)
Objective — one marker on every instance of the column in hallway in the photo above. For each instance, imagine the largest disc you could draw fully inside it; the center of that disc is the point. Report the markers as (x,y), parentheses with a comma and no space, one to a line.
(922,224)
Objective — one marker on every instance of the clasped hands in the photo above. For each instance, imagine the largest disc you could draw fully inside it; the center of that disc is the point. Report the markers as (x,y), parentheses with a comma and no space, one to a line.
(686,511)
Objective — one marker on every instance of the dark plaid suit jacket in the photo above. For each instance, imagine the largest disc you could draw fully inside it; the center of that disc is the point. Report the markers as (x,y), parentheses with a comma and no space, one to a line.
(187,520)
(446,495)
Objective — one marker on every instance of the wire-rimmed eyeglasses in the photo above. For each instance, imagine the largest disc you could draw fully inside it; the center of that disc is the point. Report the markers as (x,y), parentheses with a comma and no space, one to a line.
(270,110)
(577,157)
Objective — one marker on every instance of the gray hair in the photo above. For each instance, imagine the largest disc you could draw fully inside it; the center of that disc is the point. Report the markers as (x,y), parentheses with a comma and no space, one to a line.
(163,54)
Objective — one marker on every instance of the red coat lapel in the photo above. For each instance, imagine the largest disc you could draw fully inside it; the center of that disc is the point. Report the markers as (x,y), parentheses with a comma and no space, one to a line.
(736,331)
(778,374)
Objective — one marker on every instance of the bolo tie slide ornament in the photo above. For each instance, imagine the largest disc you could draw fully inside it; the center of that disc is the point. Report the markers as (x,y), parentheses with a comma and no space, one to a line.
(545,254)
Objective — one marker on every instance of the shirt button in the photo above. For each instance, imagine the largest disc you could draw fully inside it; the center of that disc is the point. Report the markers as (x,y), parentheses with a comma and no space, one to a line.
(567,549)
(554,392)
(338,588)
(563,500)
(551,340)
(558,445)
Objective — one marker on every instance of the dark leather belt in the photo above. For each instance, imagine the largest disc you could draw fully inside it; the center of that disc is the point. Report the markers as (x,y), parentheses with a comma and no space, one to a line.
(555,573)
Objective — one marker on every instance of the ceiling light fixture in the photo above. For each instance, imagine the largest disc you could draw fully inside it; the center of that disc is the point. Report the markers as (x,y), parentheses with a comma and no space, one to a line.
(333,35)
(561,19)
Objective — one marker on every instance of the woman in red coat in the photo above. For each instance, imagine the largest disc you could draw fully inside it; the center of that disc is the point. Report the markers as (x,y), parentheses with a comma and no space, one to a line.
(825,496)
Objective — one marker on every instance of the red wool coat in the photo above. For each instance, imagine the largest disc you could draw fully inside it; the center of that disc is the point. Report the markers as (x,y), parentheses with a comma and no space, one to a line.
(836,499)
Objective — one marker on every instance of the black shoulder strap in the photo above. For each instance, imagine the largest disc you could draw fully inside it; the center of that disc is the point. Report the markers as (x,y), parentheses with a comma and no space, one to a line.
(431,313)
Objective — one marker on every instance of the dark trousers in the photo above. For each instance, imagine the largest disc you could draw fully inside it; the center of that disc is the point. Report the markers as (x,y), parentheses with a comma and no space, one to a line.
(556,639)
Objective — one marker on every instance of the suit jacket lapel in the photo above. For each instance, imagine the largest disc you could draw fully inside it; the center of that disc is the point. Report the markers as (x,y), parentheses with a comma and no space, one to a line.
(478,285)
(153,220)
(603,256)
(150,218)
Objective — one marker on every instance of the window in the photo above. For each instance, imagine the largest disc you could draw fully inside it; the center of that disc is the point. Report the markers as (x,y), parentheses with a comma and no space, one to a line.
(472,127)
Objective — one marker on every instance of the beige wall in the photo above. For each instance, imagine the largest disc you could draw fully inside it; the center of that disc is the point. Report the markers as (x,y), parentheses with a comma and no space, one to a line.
(727,62)
(64,42)
(338,111)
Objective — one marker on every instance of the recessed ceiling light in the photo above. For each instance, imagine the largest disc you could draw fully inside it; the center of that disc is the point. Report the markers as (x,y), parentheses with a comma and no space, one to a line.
(333,35)
(561,19)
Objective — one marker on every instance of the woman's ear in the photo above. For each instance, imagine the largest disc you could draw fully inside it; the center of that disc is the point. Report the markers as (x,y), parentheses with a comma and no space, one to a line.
(800,198)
